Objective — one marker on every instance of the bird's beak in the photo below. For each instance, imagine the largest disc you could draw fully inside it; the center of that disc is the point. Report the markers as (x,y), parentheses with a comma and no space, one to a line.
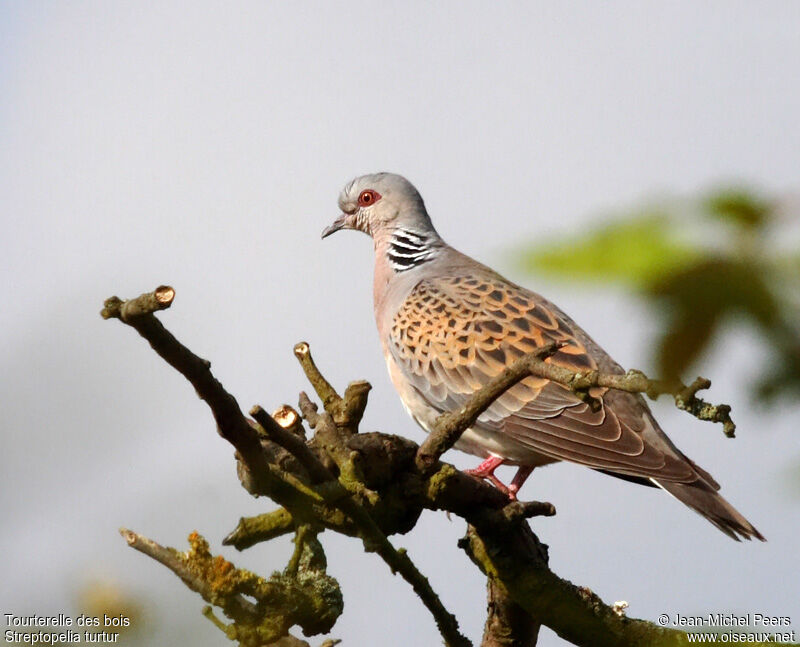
(340,223)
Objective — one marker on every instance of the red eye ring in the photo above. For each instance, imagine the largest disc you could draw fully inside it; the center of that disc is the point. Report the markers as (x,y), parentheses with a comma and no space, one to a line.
(368,198)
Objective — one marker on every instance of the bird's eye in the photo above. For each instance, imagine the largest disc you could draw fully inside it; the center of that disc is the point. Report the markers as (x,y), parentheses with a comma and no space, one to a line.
(368,198)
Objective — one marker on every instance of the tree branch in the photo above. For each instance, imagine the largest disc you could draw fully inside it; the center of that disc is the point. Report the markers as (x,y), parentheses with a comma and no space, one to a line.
(574,613)
(235,605)
(371,535)
(293,444)
(307,597)
(449,427)
(347,411)
(232,425)
(253,530)
(507,623)
(371,485)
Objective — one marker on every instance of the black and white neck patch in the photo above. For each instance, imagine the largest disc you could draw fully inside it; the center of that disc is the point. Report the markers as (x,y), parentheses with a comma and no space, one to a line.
(409,248)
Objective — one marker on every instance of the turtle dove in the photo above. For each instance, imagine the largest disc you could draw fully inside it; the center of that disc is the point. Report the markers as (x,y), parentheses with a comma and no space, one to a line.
(449,324)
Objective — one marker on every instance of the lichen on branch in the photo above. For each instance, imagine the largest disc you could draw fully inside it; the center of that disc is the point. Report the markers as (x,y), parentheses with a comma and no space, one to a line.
(305,596)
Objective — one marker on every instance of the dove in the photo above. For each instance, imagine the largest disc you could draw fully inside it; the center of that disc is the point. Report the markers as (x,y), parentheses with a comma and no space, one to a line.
(449,324)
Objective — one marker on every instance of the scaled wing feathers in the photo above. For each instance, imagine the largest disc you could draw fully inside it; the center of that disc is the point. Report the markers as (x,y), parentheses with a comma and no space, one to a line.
(452,334)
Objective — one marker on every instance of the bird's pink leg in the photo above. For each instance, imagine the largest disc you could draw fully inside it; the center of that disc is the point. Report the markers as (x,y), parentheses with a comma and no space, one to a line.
(486,471)
(520,477)
(487,468)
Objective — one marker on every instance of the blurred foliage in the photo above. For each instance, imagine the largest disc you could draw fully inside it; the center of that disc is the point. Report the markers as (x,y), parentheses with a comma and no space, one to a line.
(700,264)
(633,252)
(101,598)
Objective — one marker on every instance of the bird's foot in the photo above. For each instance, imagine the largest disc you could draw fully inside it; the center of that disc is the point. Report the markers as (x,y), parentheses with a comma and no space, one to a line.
(486,468)
(486,471)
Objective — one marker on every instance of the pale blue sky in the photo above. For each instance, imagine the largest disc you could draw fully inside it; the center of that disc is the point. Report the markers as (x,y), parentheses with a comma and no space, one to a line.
(204,145)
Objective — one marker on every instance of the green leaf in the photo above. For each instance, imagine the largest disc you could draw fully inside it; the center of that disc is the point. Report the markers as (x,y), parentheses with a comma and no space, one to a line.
(741,207)
(696,299)
(633,252)
(683,341)
(719,284)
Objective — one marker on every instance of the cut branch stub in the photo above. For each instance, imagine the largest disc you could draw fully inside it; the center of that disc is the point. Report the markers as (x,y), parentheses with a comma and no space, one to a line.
(293,444)
(327,394)
(346,411)
(146,303)
(253,530)
(289,419)
(354,404)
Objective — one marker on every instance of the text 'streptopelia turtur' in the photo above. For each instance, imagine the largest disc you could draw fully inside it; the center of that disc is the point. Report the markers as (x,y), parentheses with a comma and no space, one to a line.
(449,324)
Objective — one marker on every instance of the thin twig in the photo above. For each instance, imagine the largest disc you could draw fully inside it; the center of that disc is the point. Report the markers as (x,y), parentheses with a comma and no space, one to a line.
(300,535)
(324,390)
(208,612)
(346,411)
(449,427)
(637,382)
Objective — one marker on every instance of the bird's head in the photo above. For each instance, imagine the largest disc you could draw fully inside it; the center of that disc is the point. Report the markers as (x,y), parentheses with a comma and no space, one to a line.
(378,203)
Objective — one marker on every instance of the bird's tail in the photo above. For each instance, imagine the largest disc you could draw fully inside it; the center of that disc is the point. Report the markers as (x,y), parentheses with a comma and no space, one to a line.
(705,500)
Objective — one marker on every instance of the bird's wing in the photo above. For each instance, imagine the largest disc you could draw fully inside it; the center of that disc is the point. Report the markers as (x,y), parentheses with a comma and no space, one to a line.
(453,334)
